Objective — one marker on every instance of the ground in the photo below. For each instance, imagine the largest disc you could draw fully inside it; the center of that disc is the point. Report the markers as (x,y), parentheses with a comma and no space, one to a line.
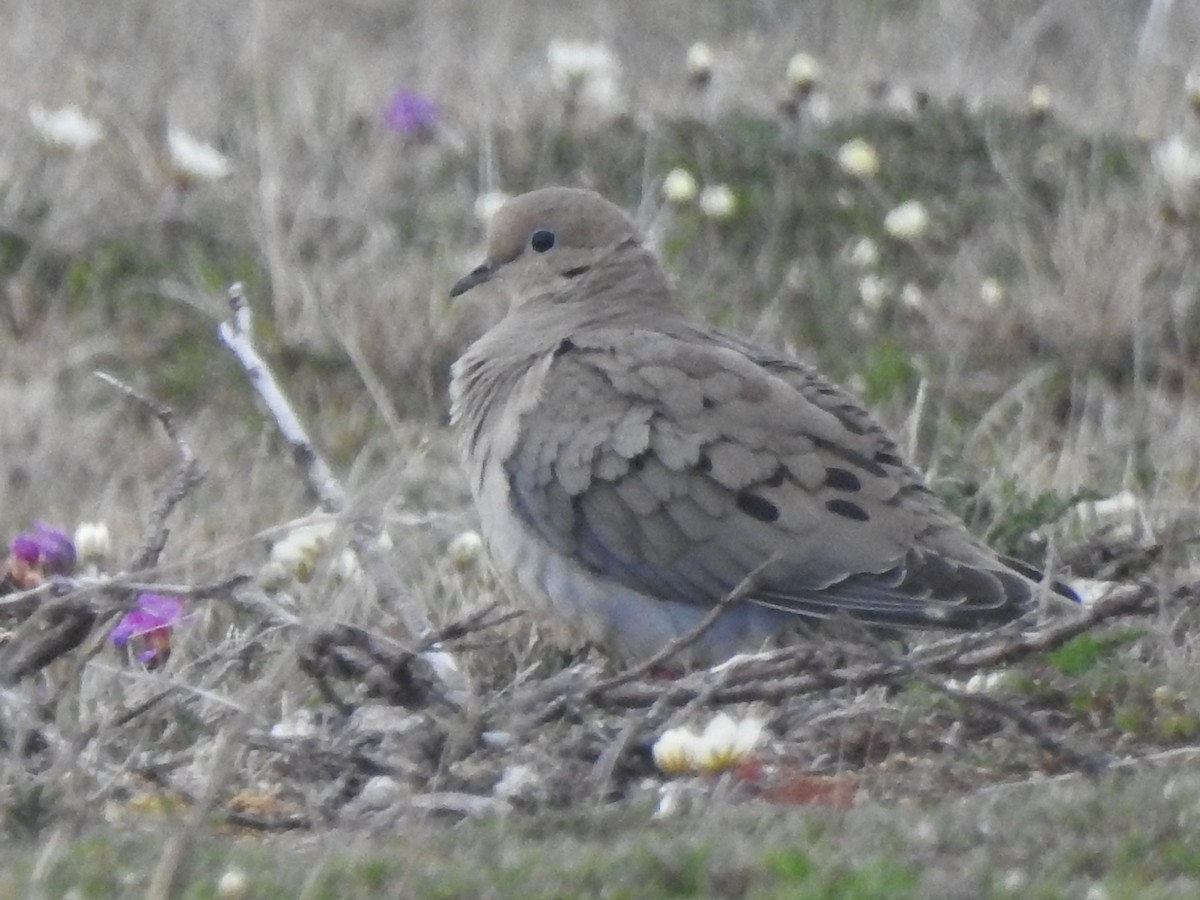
(1033,347)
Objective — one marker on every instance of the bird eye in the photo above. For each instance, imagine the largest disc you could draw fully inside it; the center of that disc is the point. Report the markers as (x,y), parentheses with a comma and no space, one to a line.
(542,240)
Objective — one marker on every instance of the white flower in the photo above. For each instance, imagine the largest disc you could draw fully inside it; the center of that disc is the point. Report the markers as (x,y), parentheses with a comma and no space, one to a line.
(863,253)
(299,551)
(66,128)
(232,885)
(983,682)
(464,550)
(1014,880)
(859,158)
(699,62)
(588,71)
(1039,100)
(487,203)
(675,750)
(803,72)
(726,742)
(299,725)
(908,221)
(1124,505)
(517,781)
(1177,164)
(680,186)
(194,160)
(992,292)
(873,290)
(93,542)
(912,296)
(718,202)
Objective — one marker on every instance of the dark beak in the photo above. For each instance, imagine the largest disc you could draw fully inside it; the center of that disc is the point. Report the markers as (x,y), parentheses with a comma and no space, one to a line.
(478,275)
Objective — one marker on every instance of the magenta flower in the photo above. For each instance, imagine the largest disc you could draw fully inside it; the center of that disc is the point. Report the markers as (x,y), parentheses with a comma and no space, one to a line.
(149,625)
(47,548)
(411,114)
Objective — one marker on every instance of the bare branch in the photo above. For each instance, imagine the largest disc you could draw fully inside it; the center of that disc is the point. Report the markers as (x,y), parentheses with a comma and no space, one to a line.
(237,334)
(187,475)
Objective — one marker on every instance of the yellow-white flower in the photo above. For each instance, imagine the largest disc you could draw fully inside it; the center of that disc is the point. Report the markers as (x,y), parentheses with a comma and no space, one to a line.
(873,290)
(93,542)
(464,550)
(992,292)
(726,742)
(863,253)
(699,63)
(487,203)
(859,158)
(717,201)
(586,70)
(803,72)
(232,885)
(1039,100)
(65,128)
(908,221)
(675,750)
(299,551)
(680,186)
(1177,165)
(194,160)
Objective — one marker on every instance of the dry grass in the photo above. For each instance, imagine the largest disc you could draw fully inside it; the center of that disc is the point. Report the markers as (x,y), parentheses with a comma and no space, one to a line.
(347,235)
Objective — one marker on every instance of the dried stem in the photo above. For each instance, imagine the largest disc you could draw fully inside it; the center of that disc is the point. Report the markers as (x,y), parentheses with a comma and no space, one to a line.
(237,334)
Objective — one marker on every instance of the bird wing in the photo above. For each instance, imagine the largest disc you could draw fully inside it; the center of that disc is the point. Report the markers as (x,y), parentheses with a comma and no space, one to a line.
(678,464)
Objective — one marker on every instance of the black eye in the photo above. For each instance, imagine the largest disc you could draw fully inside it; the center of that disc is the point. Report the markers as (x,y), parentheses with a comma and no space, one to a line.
(542,240)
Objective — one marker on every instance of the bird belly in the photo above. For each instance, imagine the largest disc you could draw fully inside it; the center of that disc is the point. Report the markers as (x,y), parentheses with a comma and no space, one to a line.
(585,606)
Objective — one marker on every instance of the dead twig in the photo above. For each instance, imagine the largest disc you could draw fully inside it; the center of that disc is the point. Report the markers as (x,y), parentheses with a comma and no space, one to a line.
(237,334)
(187,476)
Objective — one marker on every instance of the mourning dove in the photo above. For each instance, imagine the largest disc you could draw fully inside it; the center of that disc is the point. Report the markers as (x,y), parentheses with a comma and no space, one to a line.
(632,468)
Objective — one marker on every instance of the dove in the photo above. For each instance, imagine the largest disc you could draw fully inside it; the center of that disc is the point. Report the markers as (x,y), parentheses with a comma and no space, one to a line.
(632,468)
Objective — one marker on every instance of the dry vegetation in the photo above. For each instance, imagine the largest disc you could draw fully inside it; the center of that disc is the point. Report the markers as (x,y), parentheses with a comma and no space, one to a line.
(291,738)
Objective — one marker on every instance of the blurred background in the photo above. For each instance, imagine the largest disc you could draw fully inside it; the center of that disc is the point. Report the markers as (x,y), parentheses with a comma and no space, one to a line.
(1028,314)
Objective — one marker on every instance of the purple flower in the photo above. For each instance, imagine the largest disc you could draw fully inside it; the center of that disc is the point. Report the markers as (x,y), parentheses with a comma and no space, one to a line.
(410,113)
(47,550)
(149,623)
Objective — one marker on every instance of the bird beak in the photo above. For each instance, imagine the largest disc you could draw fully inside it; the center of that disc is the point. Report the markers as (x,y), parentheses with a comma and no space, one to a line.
(478,275)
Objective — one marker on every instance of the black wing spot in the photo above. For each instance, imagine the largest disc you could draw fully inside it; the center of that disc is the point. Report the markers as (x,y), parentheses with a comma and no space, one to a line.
(855,459)
(577,271)
(846,509)
(887,458)
(757,507)
(842,479)
(565,346)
